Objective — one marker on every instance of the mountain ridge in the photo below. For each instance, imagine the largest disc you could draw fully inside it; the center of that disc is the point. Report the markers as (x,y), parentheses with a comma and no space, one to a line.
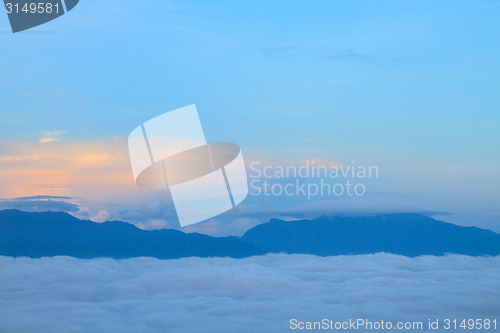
(405,234)
(58,233)
(46,234)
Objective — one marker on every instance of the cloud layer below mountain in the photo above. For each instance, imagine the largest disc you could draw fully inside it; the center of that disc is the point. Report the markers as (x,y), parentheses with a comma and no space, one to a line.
(257,294)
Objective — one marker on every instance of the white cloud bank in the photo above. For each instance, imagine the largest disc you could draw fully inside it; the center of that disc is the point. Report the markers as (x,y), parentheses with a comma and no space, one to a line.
(258,294)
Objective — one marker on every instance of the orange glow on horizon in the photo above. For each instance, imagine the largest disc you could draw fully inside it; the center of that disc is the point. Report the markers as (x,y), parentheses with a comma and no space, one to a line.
(64,168)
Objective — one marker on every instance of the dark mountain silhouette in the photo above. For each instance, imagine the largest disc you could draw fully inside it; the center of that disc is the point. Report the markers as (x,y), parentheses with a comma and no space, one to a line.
(405,234)
(55,233)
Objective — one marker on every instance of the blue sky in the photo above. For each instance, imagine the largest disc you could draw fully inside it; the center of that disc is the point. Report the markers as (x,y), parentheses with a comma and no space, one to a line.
(411,86)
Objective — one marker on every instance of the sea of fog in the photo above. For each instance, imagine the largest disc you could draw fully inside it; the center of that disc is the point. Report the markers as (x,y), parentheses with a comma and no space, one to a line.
(257,294)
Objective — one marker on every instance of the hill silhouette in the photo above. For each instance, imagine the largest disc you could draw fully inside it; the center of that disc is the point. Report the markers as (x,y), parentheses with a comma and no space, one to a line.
(49,234)
(404,234)
(55,233)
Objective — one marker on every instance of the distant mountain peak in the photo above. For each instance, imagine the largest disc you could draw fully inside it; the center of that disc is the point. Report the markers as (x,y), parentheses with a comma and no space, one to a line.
(405,234)
(57,233)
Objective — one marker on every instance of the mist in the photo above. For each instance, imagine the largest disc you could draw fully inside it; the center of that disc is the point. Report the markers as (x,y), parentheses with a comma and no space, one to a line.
(256,294)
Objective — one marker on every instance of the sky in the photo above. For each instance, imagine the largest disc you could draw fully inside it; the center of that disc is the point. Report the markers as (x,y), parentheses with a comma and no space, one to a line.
(410,87)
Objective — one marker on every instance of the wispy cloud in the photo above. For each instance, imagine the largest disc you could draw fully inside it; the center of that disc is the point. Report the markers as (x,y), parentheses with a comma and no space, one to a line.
(349,54)
(82,177)
(371,204)
(92,179)
(338,54)
(318,51)
(41,203)
(63,168)
(51,136)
